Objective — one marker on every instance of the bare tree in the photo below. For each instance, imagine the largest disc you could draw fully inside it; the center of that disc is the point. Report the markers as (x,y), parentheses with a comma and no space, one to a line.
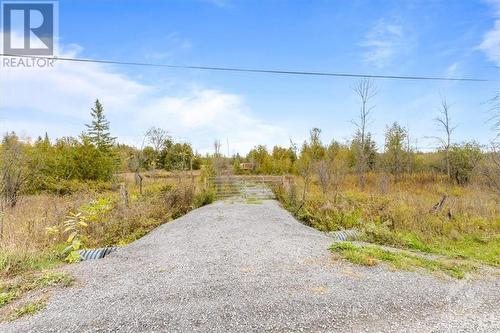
(324,174)
(409,151)
(218,162)
(444,121)
(365,89)
(491,165)
(217,146)
(495,118)
(136,162)
(158,138)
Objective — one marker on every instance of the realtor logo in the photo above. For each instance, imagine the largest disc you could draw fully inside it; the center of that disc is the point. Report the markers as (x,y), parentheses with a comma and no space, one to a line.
(29,27)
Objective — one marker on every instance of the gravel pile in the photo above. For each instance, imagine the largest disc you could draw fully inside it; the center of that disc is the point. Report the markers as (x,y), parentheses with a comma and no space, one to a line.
(252,267)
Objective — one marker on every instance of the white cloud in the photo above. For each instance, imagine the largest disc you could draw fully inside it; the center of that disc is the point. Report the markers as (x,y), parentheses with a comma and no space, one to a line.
(67,91)
(383,42)
(453,69)
(210,114)
(490,44)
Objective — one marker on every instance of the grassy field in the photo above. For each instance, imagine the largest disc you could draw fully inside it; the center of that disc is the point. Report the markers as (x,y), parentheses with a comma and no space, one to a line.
(401,214)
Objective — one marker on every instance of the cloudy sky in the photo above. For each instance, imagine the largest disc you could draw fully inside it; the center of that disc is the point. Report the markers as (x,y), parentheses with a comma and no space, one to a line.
(428,37)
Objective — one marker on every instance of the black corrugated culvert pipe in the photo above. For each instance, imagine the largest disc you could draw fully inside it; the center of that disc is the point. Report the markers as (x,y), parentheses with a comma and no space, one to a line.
(345,235)
(96,253)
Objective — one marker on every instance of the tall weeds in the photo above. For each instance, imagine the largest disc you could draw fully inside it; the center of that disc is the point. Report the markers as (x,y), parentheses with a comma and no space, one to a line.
(33,234)
(404,216)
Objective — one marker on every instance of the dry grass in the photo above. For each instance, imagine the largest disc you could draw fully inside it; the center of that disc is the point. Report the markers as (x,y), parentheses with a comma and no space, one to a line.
(26,245)
(401,214)
(25,224)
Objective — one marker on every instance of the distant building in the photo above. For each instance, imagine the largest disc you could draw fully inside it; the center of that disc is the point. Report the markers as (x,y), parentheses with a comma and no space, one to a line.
(247,166)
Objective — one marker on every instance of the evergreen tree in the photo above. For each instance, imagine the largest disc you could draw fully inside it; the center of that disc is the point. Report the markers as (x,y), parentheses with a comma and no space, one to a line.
(98,130)
(366,156)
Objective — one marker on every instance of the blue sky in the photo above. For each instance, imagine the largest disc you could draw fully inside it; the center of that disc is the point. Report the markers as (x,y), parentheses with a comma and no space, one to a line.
(435,38)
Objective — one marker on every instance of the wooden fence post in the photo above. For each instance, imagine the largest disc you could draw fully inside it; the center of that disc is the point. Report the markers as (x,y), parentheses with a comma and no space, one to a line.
(124,194)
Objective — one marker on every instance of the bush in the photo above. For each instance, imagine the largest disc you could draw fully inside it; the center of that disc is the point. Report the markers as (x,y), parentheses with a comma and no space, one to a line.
(206,197)
(463,160)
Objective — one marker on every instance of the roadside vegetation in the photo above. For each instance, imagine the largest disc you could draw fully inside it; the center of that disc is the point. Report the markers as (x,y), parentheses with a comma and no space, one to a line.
(444,201)
(408,217)
(58,196)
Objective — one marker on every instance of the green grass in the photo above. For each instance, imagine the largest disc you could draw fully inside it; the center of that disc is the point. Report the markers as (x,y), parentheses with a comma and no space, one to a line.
(484,249)
(473,247)
(371,256)
(28,309)
(14,263)
(7,297)
(10,291)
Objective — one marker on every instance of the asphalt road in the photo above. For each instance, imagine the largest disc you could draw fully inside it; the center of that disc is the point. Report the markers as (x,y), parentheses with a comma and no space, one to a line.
(252,267)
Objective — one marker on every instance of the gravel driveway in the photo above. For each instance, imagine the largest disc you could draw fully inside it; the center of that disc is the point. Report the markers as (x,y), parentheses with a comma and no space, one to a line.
(252,267)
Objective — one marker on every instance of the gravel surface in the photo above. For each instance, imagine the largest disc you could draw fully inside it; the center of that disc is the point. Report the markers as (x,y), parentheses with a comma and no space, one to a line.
(252,267)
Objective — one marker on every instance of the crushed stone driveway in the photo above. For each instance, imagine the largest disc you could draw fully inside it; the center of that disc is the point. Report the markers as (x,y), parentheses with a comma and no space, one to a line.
(253,268)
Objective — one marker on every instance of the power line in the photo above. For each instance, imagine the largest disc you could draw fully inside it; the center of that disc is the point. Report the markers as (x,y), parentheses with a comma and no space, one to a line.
(254,70)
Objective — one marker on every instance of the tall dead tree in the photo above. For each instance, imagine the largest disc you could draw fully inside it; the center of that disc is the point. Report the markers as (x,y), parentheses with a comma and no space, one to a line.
(217,160)
(324,174)
(365,90)
(409,151)
(136,162)
(495,118)
(444,122)
(491,165)
(157,138)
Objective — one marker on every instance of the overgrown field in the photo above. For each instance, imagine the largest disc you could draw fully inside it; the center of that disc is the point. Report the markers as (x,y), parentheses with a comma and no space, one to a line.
(405,213)
(37,235)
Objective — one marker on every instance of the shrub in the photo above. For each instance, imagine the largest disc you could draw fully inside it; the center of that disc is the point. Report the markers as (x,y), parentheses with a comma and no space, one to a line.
(206,197)
(463,160)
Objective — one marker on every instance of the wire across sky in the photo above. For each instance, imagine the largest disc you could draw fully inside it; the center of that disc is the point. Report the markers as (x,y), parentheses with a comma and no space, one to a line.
(255,70)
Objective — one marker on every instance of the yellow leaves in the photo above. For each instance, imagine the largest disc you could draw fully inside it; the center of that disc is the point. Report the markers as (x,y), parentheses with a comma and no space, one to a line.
(97,208)
(54,230)
(72,236)
(74,225)
(73,257)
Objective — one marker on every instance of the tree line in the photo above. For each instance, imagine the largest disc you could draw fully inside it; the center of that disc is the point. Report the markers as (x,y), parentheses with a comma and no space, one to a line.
(329,163)
(94,158)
